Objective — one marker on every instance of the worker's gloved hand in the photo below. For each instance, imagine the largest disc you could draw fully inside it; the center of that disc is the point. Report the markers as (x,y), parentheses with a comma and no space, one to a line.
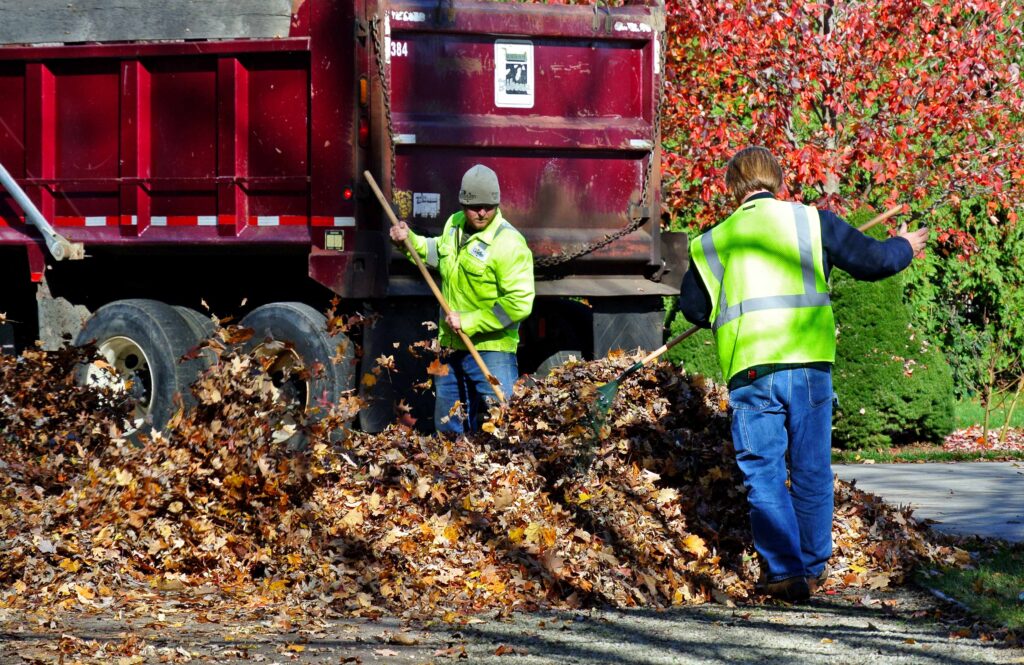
(399,232)
(917,239)
(454,321)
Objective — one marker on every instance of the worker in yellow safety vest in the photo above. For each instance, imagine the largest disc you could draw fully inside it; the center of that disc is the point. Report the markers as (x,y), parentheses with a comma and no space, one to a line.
(759,280)
(486,273)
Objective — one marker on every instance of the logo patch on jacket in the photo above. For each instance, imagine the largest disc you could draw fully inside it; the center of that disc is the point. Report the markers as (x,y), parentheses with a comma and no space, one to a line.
(478,250)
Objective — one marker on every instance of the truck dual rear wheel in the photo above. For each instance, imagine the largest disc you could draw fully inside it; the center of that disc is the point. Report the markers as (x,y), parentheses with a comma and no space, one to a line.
(292,337)
(141,343)
(200,324)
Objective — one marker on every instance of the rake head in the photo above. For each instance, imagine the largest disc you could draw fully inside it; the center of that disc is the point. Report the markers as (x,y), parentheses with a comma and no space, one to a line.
(605,397)
(602,405)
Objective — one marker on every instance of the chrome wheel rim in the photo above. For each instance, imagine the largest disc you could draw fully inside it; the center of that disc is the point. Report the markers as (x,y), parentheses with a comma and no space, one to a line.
(127,371)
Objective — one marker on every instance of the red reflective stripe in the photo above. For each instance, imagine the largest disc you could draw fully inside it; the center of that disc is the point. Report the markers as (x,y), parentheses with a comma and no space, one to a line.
(193,220)
(37,277)
(339,221)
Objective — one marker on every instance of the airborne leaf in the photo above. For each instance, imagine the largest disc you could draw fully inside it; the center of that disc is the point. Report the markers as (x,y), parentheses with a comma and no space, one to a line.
(437,368)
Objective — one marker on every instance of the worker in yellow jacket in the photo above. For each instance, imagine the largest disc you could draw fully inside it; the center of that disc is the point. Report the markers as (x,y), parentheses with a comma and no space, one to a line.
(486,273)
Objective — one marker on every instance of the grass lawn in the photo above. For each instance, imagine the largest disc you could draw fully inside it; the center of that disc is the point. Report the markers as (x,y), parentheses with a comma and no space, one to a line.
(969,412)
(921,454)
(958,448)
(992,589)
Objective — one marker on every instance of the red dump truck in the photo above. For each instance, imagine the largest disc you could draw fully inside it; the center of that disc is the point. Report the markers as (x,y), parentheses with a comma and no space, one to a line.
(161,155)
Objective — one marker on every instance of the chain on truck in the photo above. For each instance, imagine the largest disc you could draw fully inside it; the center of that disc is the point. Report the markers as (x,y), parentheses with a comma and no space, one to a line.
(156,157)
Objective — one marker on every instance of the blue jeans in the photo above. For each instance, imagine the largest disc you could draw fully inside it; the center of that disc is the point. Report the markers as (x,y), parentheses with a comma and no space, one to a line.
(466,383)
(787,411)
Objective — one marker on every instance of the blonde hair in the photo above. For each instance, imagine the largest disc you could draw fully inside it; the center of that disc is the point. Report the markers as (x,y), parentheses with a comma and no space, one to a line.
(752,169)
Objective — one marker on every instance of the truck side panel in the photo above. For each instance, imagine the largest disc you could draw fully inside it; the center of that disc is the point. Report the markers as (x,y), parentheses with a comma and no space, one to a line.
(147,141)
(254,141)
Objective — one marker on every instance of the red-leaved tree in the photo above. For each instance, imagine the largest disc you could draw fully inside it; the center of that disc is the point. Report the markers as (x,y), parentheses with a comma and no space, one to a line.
(862,102)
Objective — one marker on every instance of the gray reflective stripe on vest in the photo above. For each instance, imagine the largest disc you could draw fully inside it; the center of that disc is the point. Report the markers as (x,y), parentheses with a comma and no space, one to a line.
(503,318)
(432,259)
(803,239)
(717,269)
(809,298)
(770,302)
(497,232)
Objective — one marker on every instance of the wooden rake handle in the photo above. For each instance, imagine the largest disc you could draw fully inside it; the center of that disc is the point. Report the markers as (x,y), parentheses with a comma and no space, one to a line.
(495,384)
(667,345)
(895,210)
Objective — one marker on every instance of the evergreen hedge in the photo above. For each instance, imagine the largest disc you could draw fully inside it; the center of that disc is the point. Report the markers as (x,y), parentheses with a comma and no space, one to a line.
(893,386)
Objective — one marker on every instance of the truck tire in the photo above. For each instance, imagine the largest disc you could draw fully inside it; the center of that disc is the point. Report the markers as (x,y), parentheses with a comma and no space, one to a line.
(555,360)
(202,328)
(295,335)
(200,324)
(143,341)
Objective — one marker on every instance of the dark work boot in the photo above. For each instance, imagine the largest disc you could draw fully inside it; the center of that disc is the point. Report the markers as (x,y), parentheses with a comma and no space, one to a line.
(816,581)
(791,589)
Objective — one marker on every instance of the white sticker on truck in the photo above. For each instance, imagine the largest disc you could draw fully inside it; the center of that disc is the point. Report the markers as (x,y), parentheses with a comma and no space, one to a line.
(426,204)
(513,74)
(630,26)
(657,56)
(410,17)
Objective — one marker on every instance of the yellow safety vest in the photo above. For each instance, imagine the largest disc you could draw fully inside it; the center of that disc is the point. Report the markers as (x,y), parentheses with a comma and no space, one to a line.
(762,267)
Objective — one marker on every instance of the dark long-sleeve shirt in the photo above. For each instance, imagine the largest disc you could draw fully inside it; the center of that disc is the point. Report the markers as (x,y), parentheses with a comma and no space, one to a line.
(843,247)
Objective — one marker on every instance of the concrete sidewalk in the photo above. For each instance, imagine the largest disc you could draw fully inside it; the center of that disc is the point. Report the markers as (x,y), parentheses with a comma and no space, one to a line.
(964,498)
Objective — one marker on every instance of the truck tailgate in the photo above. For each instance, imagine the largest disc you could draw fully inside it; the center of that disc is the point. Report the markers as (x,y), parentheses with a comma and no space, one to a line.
(567,116)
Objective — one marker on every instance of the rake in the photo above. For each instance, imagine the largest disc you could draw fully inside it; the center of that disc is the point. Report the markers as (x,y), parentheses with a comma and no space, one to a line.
(495,384)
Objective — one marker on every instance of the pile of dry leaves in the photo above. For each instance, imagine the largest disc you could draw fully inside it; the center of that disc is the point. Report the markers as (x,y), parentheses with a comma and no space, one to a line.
(540,510)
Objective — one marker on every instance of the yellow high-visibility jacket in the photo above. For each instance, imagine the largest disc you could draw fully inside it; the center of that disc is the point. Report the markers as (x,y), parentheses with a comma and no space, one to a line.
(487,277)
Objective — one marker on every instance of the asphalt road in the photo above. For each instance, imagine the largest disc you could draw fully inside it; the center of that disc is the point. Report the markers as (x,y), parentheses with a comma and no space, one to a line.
(891,626)
(975,498)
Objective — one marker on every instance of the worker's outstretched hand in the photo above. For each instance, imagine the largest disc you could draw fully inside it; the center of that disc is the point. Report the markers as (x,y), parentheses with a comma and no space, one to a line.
(399,232)
(917,239)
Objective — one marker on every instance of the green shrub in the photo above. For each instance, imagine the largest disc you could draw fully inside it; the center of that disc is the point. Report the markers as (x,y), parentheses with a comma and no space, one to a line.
(893,386)
(968,292)
(697,353)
